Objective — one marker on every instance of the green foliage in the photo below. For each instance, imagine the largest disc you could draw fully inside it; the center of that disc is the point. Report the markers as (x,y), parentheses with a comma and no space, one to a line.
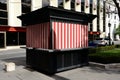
(109,56)
(101,49)
(117,46)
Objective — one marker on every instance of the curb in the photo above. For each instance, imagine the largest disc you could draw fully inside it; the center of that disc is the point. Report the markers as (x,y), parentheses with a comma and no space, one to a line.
(112,67)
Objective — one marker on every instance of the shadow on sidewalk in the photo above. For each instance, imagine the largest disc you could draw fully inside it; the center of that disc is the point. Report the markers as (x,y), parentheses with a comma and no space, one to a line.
(57,77)
(19,61)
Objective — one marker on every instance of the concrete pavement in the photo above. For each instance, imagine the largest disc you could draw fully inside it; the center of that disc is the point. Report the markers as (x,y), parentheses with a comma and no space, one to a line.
(22,73)
(86,73)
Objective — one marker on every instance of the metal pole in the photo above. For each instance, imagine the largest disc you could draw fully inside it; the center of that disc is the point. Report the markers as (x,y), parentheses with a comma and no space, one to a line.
(109,25)
(109,36)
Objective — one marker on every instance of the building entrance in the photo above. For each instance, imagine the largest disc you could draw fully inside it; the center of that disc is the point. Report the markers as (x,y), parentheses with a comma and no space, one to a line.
(2,39)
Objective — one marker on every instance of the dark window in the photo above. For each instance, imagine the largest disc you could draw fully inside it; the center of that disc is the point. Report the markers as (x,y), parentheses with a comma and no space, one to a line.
(91,4)
(3,6)
(3,21)
(15,38)
(22,38)
(109,11)
(82,7)
(3,13)
(2,40)
(11,38)
(115,16)
(91,26)
(114,26)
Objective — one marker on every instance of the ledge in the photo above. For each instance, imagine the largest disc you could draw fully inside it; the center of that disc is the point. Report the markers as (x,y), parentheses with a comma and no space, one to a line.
(111,67)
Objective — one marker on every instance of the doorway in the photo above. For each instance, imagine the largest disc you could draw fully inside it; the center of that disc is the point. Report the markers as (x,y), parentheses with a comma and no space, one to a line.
(2,39)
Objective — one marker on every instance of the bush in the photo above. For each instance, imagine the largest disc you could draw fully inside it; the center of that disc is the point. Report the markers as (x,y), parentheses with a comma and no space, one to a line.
(110,56)
(102,48)
(117,46)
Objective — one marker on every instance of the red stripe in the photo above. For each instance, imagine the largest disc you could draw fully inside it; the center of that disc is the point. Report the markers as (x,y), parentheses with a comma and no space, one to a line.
(61,35)
(59,26)
(53,45)
(87,34)
(54,35)
(76,36)
(77,43)
(71,36)
(81,37)
(84,36)
(80,34)
(68,35)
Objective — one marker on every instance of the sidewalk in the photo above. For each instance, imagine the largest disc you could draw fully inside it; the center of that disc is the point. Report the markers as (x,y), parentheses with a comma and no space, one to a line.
(86,73)
(23,73)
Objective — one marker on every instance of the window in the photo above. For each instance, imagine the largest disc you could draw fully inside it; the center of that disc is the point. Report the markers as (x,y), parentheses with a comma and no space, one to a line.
(108,15)
(91,4)
(91,26)
(82,6)
(115,16)
(114,26)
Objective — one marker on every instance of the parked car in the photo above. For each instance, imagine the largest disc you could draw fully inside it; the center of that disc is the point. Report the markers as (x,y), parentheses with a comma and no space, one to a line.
(103,41)
(92,44)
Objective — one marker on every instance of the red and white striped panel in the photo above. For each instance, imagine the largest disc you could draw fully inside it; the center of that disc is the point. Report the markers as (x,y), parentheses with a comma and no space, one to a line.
(38,35)
(69,35)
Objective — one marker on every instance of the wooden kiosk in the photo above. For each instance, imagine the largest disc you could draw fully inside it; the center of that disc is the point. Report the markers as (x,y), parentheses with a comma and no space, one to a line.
(57,39)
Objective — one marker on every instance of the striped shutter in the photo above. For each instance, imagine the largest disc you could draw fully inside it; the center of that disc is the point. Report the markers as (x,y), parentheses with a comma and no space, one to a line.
(38,35)
(69,35)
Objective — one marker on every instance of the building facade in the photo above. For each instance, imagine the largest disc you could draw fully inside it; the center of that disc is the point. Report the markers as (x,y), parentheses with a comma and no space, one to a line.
(11,31)
(112,18)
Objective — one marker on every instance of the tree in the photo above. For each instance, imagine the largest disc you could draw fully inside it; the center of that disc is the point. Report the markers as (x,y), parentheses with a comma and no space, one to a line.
(117,3)
(118,30)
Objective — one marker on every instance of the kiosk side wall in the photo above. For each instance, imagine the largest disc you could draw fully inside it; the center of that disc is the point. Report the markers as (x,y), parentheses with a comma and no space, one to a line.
(66,35)
(38,35)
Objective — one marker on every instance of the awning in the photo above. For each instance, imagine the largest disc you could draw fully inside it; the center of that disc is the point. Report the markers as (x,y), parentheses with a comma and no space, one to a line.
(12,29)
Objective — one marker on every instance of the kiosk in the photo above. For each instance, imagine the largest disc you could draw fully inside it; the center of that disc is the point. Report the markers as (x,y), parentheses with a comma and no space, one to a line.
(57,39)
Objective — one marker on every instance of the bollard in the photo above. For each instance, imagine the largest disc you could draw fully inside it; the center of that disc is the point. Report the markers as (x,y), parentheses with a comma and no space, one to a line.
(9,66)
